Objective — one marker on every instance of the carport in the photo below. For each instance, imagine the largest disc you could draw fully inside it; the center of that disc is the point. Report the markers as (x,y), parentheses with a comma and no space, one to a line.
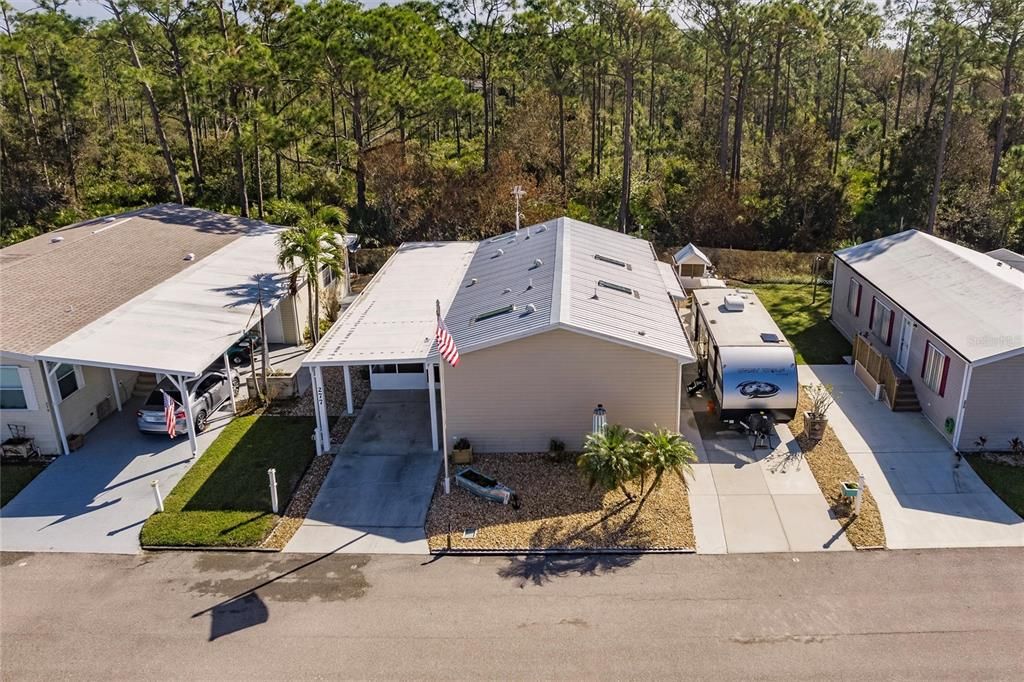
(180,327)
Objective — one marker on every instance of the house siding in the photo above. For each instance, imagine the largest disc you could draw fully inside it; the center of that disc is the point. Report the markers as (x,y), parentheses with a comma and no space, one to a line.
(517,396)
(993,407)
(936,408)
(38,423)
(79,410)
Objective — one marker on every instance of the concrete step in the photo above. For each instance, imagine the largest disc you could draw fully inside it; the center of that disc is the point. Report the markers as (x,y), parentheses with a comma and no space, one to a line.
(144,385)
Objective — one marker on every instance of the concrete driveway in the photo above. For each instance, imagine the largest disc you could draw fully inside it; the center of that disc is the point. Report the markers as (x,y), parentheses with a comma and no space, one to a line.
(97,498)
(745,500)
(925,500)
(377,493)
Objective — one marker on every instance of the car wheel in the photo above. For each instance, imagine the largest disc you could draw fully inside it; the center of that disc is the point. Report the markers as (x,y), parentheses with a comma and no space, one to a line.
(200,421)
(238,359)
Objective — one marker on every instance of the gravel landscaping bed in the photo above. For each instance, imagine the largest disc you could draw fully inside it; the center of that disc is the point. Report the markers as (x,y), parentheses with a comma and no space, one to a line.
(334,386)
(557,511)
(831,466)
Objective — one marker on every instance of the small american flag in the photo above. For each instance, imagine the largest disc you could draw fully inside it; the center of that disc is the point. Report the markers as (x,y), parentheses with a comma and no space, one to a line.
(445,342)
(170,418)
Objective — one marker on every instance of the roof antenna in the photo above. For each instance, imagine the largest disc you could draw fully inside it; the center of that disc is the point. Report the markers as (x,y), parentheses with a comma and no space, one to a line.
(518,193)
(594,297)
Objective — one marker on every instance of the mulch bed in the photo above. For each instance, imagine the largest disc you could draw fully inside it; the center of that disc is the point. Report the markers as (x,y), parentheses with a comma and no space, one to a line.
(830,466)
(558,511)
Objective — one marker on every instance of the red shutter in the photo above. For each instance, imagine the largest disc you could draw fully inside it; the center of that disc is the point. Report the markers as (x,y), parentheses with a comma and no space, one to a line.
(924,362)
(945,373)
(888,336)
(860,290)
(871,315)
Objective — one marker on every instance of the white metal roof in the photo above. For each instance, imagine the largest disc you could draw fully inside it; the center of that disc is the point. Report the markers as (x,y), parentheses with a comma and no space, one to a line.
(184,324)
(970,300)
(672,285)
(691,255)
(737,327)
(393,319)
(551,274)
(1011,258)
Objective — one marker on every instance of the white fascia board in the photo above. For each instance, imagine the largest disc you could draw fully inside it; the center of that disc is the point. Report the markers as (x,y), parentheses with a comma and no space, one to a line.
(997,358)
(113,365)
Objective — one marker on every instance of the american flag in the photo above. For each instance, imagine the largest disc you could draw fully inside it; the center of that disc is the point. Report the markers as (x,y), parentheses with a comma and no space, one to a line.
(170,418)
(446,344)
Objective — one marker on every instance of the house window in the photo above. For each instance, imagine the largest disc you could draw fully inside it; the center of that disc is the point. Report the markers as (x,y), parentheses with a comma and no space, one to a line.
(935,369)
(326,275)
(69,380)
(881,321)
(853,297)
(16,389)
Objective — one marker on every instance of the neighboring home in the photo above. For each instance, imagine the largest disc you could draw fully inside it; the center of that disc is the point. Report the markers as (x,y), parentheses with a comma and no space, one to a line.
(949,319)
(1011,258)
(90,310)
(694,269)
(550,321)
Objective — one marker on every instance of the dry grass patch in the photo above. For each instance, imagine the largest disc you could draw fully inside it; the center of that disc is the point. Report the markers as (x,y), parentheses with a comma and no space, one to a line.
(830,466)
(558,511)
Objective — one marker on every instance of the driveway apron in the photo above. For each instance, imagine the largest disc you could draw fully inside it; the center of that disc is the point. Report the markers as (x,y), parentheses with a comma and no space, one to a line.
(926,499)
(377,493)
(97,498)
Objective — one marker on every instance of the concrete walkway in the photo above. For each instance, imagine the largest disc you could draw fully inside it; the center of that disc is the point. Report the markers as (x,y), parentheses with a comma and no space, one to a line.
(746,501)
(376,496)
(97,498)
(926,501)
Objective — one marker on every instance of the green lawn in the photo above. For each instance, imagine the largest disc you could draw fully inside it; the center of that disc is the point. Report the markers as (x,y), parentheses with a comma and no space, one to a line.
(224,499)
(805,324)
(14,477)
(1006,481)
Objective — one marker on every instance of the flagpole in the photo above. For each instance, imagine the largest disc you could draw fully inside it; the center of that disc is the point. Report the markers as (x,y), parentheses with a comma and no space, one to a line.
(444,449)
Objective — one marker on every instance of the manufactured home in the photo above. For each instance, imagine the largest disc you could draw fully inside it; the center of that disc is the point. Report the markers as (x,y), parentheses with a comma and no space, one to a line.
(550,321)
(939,328)
(743,355)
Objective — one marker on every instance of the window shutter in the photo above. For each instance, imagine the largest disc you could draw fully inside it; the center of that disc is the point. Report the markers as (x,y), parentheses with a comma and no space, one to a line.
(28,388)
(888,335)
(871,315)
(860,290)
(945,373)
(924,362)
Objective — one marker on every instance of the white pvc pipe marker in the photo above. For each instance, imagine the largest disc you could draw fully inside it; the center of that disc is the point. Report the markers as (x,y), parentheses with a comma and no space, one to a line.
(157,496)
(860,494)
(272,474)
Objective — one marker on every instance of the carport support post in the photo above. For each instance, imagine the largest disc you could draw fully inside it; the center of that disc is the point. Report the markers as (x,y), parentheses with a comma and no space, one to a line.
(433,405)
(231,387)
(186,401)
(320,408)
(55,403)
(348,391)
(117,389)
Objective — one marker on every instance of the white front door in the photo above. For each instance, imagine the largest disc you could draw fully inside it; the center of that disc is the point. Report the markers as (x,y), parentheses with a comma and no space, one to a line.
(903,354)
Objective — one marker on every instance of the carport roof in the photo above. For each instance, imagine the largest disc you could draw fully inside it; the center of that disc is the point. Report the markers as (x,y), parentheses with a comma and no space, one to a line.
(186,322)
(393,319)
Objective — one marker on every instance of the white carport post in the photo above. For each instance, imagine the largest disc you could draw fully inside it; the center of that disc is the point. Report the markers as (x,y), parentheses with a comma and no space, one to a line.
(190,424)
(51,384)
(117,389)
(348,391)
(433,405)
(320,409)
(231,387)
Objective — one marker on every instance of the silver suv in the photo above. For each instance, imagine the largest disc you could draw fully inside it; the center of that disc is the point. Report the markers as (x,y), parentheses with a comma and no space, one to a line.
(208,392)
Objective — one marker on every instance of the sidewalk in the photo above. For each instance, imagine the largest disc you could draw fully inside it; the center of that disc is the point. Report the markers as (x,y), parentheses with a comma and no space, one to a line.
(745,501)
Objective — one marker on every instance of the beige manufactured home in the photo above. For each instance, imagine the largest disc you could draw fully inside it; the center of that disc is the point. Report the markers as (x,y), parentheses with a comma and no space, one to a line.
(90,310)
(950,321)
(550,321)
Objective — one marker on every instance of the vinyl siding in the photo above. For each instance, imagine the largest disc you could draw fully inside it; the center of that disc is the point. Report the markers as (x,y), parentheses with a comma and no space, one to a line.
(936,408)
(994,408)
(38,423)
(79,410)
(517,396)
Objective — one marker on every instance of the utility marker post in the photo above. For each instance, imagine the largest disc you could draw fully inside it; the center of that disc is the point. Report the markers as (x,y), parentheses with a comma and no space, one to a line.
(860,495)
(272,475)
(156,494)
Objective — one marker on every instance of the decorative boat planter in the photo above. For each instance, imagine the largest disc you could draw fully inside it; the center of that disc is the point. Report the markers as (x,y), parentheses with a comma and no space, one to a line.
(850,489)
(486,487)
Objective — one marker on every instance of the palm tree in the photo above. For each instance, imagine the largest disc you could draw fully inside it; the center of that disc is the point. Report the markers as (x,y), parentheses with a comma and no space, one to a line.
(609,459)
(662,451)
(309,247)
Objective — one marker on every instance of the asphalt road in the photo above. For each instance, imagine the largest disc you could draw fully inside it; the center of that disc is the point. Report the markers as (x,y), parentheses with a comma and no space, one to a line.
(884,615)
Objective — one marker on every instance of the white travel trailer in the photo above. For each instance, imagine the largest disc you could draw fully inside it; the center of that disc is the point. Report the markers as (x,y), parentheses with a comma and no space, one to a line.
(743,356)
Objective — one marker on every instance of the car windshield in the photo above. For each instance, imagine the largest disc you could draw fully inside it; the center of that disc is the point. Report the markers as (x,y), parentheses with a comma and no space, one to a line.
(156,398)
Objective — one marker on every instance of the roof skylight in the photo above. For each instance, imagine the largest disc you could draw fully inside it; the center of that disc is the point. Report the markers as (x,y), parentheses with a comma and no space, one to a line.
(494,313)
(612,261)
(617,287)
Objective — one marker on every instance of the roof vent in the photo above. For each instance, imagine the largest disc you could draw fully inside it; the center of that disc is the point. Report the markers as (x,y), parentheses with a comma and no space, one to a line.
(494,313)
(617,287)
(529,284)
(734,303)
(531,308)
(189,256)
(499,252)
(507,291)
(537,262)
(56,240)
(768,337)
(613,261)
(472,282)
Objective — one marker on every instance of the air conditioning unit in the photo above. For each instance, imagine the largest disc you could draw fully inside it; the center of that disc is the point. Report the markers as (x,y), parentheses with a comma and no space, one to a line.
(734,303)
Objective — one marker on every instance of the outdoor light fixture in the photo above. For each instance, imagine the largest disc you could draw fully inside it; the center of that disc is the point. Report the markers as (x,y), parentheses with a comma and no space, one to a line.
(600,418)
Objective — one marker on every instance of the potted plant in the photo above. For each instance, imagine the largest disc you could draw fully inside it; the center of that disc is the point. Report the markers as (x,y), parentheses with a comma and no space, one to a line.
(462,452)
(75,441)
(816,419)
(849,488)
(556,450)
